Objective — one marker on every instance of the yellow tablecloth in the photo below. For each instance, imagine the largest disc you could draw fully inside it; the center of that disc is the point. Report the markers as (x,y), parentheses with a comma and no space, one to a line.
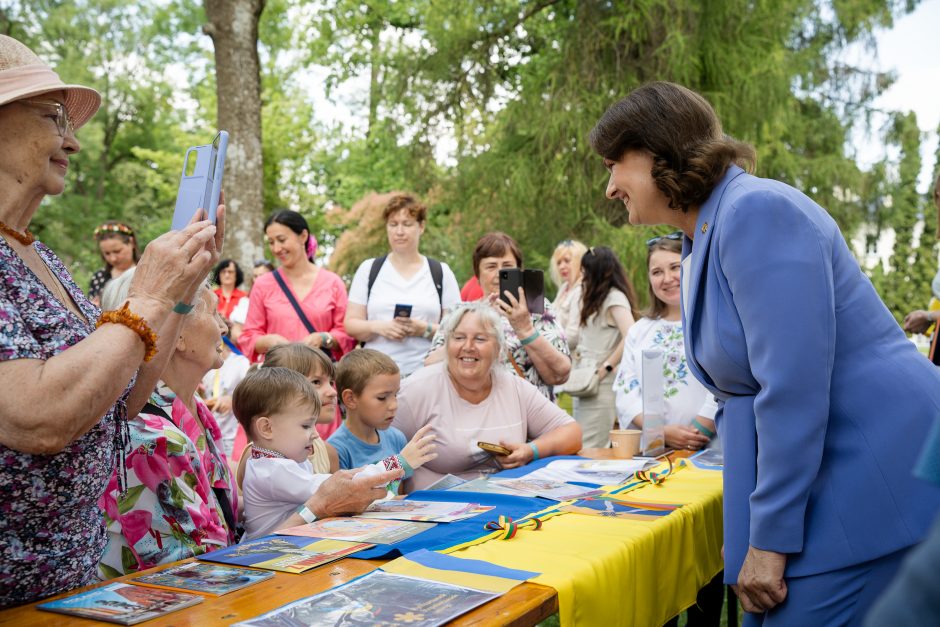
(611,571)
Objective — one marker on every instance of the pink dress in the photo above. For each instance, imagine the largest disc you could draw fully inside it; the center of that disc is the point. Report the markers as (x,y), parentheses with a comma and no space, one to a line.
(269,311)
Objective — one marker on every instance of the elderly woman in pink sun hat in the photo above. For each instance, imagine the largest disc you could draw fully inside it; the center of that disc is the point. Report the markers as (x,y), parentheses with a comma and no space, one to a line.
(70,373)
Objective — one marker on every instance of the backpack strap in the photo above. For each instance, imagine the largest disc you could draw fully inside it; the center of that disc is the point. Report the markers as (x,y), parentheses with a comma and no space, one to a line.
(377,264)
(437,275)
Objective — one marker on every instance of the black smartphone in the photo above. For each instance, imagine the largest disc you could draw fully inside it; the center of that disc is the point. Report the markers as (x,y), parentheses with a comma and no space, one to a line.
(510,279)
(533,282)
(402,311)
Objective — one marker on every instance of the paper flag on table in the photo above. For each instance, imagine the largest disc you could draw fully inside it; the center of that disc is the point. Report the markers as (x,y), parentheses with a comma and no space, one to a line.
(612,508)
(469,573)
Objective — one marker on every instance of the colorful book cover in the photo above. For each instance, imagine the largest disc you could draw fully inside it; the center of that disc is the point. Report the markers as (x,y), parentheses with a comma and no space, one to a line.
(423,511)
(376,531)
(122,603)
(547,489)
(379,598)
(287,554)
(211,579)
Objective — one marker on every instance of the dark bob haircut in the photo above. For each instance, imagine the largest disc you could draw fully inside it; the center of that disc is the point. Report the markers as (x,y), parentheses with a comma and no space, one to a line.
(292,220)
(222,265)
(682,133)
(495,244)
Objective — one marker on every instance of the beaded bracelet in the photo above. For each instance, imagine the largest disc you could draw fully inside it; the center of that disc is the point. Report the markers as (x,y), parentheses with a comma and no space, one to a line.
(136,324)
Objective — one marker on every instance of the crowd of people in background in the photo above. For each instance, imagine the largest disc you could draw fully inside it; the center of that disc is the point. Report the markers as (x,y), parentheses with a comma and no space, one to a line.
(186,415)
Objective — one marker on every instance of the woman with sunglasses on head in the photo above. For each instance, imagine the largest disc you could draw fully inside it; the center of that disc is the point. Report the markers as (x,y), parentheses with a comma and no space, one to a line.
(606,314)
(819,389)
(69,385)
(565,270)
(690,409)
(118,248)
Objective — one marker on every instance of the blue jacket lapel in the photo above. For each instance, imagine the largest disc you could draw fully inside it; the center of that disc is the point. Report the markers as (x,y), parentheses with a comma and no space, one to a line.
(704,227)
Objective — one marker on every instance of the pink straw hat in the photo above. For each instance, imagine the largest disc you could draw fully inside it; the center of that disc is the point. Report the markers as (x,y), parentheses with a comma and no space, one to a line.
(23,74)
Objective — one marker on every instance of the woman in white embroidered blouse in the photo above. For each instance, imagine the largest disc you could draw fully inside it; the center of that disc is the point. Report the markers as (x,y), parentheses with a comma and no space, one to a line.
(690,409)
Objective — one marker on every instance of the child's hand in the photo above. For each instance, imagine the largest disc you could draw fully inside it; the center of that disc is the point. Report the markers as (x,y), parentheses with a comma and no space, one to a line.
(420,450)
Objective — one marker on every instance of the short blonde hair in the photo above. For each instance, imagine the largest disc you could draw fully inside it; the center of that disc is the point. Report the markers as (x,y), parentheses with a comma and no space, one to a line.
(357,367)
(572,246)
(487,315)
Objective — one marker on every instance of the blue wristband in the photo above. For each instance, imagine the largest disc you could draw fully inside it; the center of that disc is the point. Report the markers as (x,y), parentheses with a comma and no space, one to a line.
(183,308)
(529,339)
(703,429)
(535,451)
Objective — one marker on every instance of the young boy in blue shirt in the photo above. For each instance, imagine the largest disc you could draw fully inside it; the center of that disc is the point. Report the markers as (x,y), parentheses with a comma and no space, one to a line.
(367,382)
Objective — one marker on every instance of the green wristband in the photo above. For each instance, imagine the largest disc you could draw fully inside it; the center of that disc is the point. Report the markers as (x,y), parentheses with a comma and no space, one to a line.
(183,308)
(529,339)
(704,430)
(535,451)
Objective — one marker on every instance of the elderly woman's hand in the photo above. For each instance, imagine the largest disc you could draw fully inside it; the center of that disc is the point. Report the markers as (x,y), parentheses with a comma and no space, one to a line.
(917,321)
(516,311)
(521,455)
(344,495)
(684,437)
(176,263)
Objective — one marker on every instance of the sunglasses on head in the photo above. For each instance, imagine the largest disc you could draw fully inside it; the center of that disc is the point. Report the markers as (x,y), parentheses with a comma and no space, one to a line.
(677,235)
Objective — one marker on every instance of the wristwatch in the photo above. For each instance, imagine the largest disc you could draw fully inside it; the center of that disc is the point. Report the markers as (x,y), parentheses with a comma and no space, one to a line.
(306,514)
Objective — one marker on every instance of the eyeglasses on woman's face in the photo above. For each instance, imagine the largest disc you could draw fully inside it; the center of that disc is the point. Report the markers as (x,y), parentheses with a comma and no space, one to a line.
(62,120)
(677,235)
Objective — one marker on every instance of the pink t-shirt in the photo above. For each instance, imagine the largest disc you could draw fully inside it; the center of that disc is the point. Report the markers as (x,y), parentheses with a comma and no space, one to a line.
(514,412)
(269,311)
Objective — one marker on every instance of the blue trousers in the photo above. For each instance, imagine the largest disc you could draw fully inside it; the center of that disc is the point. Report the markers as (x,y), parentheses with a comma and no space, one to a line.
(838,597)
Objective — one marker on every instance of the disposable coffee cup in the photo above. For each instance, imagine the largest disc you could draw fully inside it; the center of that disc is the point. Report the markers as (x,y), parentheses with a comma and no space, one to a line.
(625,442)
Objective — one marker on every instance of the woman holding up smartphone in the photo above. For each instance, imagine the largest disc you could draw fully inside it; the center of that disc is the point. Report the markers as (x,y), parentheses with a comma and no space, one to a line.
(397,301)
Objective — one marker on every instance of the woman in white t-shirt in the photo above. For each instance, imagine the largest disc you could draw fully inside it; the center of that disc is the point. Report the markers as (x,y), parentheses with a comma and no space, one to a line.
(690,409)
(405,280)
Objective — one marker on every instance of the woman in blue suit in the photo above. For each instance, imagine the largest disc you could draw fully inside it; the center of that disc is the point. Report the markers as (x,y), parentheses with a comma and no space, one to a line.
(824,401)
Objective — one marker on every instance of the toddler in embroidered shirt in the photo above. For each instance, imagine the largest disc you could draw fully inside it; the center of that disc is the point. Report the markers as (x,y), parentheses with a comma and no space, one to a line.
(367,382)
(278,409)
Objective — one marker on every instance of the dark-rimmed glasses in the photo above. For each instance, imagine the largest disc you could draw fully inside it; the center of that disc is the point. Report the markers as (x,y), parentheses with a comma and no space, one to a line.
(677,235)
(62,120)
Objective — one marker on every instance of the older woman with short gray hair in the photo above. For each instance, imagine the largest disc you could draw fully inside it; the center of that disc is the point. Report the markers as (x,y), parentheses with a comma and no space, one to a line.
(468,399)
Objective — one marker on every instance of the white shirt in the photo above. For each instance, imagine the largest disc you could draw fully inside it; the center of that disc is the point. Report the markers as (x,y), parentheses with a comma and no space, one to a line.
(685,397)
(233,370)
(273,489)
(391,289)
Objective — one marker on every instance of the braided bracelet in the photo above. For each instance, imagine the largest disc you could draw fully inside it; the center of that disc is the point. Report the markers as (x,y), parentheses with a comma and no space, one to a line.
(136,324)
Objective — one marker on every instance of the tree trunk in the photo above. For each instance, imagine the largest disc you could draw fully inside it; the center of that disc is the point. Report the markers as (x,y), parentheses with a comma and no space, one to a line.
(233,27)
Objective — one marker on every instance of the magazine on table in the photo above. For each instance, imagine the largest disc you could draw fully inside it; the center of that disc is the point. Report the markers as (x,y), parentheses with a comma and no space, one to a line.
(485,485)
(446,483)
(554,490)
(379,598)
(423,511)
(288,554)
(593,471)
(355,529)
(212,579)
(122,603)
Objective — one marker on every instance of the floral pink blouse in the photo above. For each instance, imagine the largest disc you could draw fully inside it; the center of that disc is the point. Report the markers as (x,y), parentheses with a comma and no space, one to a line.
(170,511)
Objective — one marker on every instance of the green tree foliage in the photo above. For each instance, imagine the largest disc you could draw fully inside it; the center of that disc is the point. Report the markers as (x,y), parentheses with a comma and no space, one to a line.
(906,284)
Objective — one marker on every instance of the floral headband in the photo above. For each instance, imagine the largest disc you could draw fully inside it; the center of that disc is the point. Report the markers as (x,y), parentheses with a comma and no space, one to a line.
(114,228)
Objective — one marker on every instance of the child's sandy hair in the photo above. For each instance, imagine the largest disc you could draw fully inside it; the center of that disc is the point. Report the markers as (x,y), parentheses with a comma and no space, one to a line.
(356,368)
(266,391)
(297,356)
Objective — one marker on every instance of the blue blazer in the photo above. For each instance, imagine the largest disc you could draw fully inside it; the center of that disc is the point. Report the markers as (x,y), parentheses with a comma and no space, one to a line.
(825,403)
